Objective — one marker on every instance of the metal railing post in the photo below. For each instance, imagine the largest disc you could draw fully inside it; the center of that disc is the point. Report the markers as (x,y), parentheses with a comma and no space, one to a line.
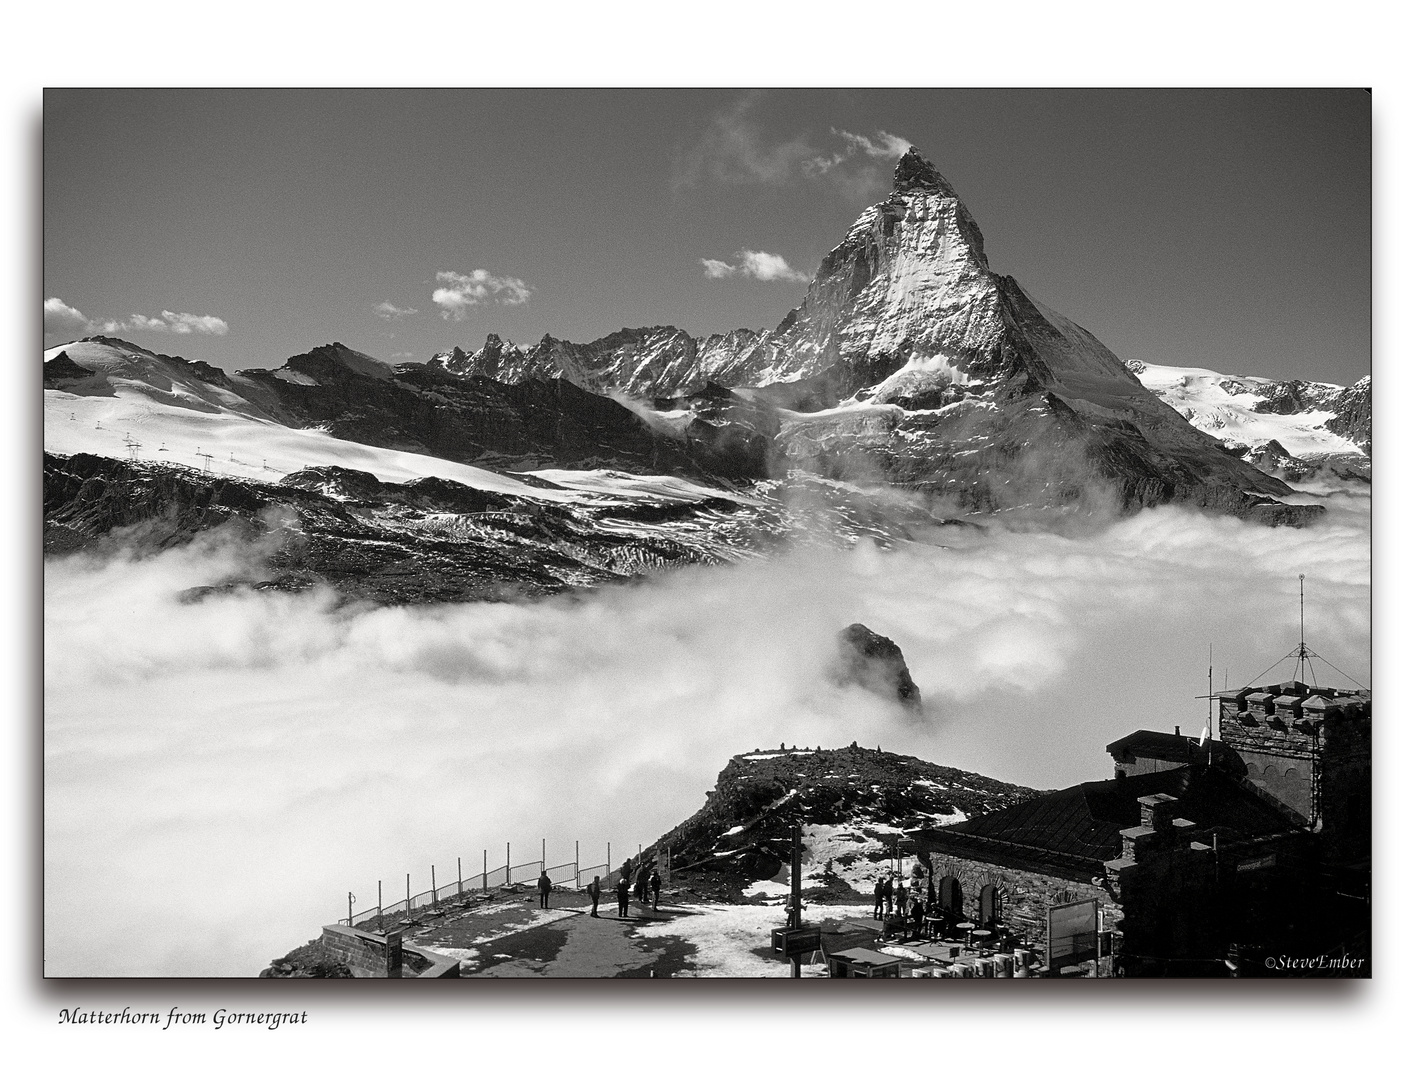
(458,876)
(409,897)
(380,903)
(577,882)
(507,862)
(484,884)
(434,884)
(542,854)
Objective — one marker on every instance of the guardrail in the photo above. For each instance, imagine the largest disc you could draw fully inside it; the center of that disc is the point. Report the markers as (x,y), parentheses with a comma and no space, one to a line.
(484,884)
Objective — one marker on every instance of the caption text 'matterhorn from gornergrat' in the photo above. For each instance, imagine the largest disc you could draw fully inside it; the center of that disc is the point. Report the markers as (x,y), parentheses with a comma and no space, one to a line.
(176,1017)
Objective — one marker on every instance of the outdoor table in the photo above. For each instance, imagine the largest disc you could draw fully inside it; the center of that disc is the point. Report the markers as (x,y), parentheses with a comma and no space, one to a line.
(864,964)
(934,926)
(968,927)
(980,936)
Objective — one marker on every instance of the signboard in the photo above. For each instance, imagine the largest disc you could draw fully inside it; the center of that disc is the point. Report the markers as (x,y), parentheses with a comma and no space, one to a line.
(1072,934)
(1263,863)
(803,942)
(800,941)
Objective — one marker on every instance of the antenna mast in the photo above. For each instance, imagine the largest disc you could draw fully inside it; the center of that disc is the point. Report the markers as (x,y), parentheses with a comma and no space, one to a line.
(1302,652)
(1211,732)
(1303,655)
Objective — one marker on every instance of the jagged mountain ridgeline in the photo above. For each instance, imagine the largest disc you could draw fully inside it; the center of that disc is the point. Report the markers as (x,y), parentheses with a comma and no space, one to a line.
(913,390)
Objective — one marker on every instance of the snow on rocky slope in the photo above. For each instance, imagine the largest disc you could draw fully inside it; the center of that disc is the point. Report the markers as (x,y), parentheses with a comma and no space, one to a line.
(175,414)
(1311,421)
(853,803)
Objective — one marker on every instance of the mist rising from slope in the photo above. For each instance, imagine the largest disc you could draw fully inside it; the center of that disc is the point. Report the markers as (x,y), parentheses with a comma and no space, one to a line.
(220,774)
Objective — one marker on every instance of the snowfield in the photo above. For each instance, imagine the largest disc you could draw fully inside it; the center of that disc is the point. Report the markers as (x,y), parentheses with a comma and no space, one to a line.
(727,935)
(856,853)
(1205,399)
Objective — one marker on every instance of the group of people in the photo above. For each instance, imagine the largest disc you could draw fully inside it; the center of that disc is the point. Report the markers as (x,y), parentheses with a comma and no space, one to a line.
(914,900)
(646,881)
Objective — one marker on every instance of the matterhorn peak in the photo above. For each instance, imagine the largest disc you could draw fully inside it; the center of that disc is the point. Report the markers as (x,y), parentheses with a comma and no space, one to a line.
(916,173)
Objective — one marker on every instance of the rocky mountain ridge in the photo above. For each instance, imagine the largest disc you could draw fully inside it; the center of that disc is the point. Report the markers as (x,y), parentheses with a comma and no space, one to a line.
(853,802)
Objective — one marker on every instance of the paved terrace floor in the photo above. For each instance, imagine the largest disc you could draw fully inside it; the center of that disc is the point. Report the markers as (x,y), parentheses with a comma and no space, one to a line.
(510,936)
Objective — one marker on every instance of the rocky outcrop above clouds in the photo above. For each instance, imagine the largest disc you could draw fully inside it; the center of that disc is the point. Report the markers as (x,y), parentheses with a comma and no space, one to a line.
(876,663)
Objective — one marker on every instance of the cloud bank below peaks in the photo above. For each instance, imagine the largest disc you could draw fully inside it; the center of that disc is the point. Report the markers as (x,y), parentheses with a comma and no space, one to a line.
(224,771)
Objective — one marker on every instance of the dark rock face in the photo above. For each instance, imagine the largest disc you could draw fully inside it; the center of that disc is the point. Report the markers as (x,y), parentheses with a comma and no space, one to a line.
(1354,414)
(876,663)
(61,370)
(428,541)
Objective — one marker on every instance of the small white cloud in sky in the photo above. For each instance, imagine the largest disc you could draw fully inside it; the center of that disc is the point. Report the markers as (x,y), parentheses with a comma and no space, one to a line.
(760,265)
(388,310)
(184,323)
(736,148)
(461,291)
(882,145)
(61,318)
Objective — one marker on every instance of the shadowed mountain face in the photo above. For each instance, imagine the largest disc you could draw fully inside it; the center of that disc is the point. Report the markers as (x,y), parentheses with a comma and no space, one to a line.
(477,420)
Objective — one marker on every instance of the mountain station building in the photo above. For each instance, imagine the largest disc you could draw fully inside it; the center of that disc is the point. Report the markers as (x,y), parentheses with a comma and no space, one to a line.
(1199,857)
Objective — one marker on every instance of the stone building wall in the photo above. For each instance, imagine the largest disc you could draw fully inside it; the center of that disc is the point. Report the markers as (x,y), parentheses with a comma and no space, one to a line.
(1309,750)
(1347,784)
(368,955)
(1026,895)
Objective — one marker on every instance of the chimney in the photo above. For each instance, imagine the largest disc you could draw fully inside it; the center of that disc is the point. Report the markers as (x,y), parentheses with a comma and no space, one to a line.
(1157,811)
(1177,729)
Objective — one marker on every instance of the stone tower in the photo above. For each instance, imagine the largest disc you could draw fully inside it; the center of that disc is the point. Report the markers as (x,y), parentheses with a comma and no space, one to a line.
(1309,748)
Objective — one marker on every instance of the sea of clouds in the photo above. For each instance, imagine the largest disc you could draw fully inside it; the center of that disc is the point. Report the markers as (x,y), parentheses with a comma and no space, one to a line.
(219,775)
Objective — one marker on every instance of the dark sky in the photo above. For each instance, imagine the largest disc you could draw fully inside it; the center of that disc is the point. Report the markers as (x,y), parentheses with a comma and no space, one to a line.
(1229,229)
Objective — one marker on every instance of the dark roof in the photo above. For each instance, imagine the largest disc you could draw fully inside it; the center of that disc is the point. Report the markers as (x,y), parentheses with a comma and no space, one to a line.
(1152,744)
(1165,746)
(1078,828)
